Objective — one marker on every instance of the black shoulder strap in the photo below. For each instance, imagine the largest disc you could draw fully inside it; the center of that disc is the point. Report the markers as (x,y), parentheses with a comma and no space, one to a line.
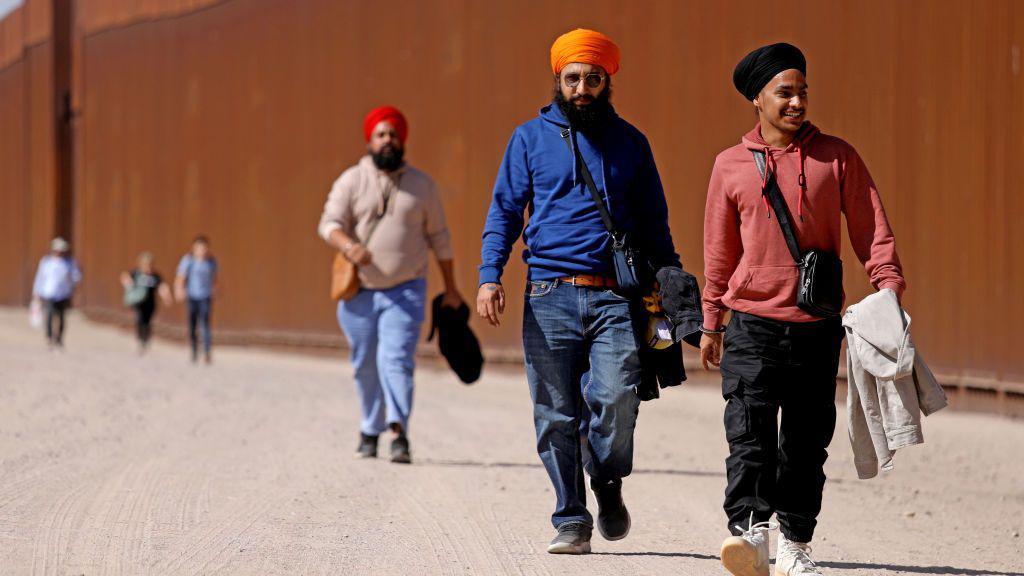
(606,217)
(779,207)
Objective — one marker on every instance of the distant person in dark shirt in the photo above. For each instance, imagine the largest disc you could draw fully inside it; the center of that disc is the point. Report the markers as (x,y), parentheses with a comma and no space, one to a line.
(142,286)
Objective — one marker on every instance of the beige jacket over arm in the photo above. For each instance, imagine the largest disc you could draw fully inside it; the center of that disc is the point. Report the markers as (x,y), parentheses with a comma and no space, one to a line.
(412,222)
(888,383)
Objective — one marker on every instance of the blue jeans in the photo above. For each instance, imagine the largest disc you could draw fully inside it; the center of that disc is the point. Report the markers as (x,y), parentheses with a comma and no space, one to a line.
(383,328)
(582,365)
(199,314)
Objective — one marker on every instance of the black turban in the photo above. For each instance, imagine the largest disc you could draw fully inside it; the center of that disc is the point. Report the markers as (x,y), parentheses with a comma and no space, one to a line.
(760,66)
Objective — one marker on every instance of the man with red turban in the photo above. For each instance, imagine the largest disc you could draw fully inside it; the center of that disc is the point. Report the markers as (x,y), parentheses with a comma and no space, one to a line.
(580,318)
(384,216)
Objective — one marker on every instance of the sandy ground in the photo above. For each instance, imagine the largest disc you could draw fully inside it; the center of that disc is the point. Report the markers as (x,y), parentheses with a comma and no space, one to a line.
(115,464)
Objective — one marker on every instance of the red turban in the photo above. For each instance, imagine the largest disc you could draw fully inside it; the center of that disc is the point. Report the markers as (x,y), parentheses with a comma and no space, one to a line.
(587,47)
(392,115)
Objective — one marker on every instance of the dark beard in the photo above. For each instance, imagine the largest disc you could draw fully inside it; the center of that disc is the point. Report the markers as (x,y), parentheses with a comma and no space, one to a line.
(388,158)
(591,118)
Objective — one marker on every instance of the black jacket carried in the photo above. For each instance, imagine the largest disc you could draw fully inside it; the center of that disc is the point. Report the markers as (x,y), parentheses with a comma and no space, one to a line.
(457,342)
(680,298)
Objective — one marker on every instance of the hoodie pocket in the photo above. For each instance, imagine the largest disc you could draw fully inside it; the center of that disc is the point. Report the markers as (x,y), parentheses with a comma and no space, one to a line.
(764,283)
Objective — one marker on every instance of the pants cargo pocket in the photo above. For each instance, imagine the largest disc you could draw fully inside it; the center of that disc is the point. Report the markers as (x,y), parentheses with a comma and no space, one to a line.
(737,420)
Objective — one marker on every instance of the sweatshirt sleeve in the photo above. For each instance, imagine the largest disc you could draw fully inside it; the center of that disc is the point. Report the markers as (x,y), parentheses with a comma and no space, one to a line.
(869,230)
(37,284)
(338,208)
(512,193)
(655,232)
(722,248)
(436,227)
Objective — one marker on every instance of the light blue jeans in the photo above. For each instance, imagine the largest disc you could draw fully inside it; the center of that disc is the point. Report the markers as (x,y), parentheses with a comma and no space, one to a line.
(383,328)
(582,366)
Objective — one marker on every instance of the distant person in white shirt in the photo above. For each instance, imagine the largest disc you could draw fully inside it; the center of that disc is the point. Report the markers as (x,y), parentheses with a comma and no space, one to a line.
(56,278)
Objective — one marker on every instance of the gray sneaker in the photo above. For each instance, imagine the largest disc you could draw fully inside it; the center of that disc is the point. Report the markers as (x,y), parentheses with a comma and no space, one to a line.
(613,520)
(367,446)
(400,450)
(572,538)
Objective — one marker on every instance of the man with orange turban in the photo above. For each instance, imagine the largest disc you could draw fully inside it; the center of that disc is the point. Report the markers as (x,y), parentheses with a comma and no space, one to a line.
(580,317)
(383,216)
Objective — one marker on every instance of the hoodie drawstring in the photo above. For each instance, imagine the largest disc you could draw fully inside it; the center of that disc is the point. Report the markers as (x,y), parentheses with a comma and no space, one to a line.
(769,170)
(802,182)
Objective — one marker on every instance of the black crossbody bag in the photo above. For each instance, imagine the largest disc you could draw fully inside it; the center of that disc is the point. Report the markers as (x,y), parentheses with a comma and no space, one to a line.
(821,273)
(631,268)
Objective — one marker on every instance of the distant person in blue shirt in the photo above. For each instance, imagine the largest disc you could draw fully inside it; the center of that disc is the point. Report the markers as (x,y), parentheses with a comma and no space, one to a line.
(195,281)
(56,279)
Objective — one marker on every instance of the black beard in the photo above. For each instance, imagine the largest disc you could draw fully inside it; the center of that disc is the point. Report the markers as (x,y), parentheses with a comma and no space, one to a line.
(388,158)
(591,118)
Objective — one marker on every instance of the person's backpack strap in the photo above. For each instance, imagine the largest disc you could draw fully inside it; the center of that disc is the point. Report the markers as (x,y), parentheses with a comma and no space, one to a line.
(779,207)
(588,179)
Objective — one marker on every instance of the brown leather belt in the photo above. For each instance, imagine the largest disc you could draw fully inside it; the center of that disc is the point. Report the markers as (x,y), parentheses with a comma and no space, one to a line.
(590,281)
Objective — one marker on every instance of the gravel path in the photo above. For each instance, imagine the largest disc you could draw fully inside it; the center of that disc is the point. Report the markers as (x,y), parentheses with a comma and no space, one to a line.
(115,464)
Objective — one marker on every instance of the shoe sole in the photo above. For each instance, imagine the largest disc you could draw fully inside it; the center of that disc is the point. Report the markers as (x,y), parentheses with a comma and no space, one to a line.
(739,558)
(403,459)
(567,548)
(629,524)
(361,456)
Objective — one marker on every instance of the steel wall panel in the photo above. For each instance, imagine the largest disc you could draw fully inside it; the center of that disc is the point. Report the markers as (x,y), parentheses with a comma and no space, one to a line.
(14,260)
(233,118)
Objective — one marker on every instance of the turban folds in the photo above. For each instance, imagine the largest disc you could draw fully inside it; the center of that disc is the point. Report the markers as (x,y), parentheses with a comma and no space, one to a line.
(760,66)
(392,115)
(587,47)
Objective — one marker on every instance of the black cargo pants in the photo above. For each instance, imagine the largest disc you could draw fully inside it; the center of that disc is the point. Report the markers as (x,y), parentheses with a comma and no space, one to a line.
(768,365)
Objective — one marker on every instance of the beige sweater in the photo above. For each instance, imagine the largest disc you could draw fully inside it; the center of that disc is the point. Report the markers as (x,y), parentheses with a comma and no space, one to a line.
(413,222)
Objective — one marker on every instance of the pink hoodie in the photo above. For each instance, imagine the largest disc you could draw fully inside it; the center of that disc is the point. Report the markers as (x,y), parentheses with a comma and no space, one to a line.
(747,265)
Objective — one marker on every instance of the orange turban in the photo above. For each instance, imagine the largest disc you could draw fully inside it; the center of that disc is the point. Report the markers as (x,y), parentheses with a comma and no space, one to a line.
(389,113)
(587,47)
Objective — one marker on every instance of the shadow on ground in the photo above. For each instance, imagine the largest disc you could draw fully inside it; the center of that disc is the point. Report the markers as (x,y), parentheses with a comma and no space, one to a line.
(948,570)
(642,471)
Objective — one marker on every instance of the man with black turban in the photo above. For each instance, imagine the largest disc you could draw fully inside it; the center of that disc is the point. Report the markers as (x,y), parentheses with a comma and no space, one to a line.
(779,356)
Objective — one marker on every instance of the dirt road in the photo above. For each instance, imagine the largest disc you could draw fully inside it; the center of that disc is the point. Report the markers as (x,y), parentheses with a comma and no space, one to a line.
(115,464)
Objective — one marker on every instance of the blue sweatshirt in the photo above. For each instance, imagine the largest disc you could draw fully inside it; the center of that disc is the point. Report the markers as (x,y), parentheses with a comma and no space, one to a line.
(565,235)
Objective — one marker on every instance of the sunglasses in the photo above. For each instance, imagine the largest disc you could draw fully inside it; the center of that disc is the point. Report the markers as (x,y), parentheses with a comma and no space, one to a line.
(593,80)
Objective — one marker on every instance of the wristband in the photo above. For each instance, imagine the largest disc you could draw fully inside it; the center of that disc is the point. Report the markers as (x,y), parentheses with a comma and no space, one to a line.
(715,331)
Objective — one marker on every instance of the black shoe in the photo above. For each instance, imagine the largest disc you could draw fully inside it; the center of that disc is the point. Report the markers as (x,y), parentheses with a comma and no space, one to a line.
(612,517)
(400,450)
(572,538)
(367,446)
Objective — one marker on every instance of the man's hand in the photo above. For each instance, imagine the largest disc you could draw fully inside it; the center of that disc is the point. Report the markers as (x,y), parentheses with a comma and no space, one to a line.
(357,254)
(179,289)
(451,299)
(711,350)
(490,302)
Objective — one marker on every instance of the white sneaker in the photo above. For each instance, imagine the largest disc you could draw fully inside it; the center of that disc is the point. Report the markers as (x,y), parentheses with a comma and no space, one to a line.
(747,555)
(794,559)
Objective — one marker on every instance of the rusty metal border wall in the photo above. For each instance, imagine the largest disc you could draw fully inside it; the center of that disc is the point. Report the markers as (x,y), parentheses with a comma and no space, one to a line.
(232,118)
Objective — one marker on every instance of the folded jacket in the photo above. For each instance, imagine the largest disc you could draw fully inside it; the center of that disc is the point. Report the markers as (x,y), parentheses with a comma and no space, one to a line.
(680,298)
(456,340)
(889,385)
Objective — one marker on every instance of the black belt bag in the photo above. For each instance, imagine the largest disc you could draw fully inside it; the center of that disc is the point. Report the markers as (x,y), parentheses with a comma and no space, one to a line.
(821,273)
(628,262)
